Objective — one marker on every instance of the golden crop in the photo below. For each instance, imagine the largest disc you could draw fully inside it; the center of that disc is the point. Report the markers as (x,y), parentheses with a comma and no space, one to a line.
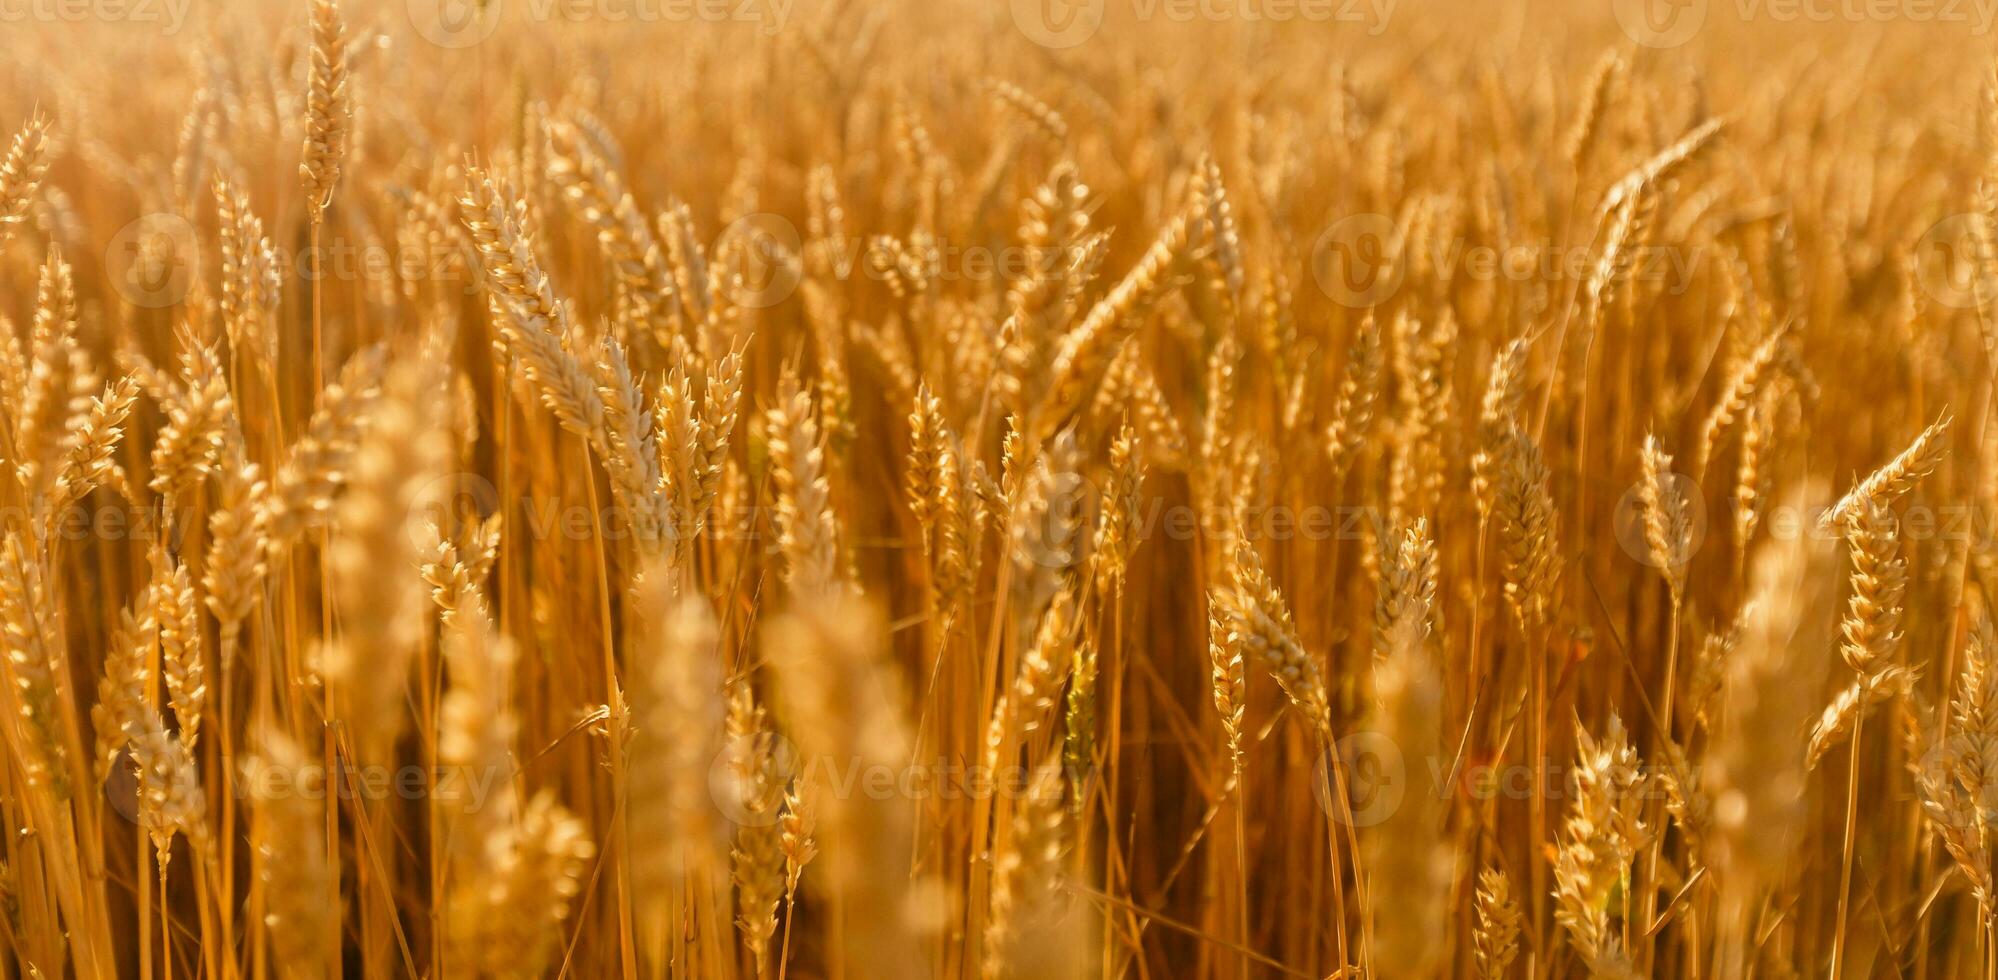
(1137,488)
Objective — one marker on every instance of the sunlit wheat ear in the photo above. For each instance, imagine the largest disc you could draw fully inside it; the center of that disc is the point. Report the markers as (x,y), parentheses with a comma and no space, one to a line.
(1259,620)
(1601,835)
(249,278)
(1956,774)
(328,109)
(197,415)
(170,800)
(721,402)
(1668,528)
(806,526)
(599,199)
(921,476)
(1758,781)
(1359,393)
(1405,612)
(1498,417)
(56,366)
(1751,482)
(1118,512)
(1228,683)
(840,698)
(321,458)
(1044,118)
(1496,938)
(677,726)
(1524,511)
(127,674)
(1023,707)
(1894,480)
(21,174)
(178,613)
(288,834)
(1085,352)
(629,453)
(1024,882)
(1743,385)
(757,859)
(1585,133)
(33,649)
(90,459)
(377,586)
(799,843)
(536,328)
(508,921)
(1410,847)
(456,569)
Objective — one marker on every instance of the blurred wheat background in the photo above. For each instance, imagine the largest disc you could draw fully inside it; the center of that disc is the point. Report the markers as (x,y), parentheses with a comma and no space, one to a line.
(1137,489)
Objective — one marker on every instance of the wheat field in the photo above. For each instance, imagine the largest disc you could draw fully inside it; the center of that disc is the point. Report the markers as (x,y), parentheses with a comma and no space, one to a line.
(1132,488)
